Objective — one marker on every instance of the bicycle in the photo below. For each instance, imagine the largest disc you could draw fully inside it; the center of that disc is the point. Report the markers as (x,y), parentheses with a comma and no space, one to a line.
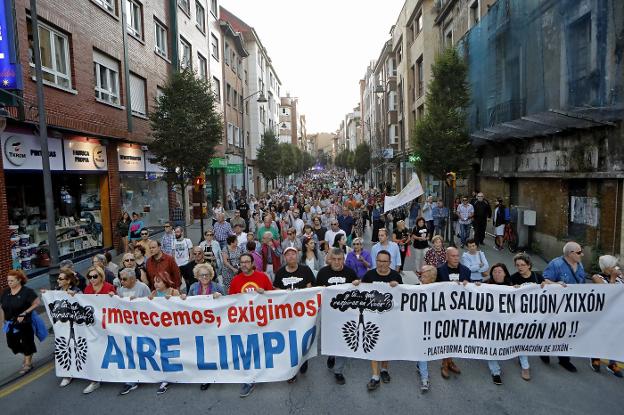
(510,238)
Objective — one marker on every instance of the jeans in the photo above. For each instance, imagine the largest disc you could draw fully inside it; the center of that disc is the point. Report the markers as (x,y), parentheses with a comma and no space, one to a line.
(339,364)
(464,232)
(424,370)
(495,367)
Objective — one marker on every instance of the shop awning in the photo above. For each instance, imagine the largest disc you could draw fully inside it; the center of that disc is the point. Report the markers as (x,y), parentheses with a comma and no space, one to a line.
(551,122)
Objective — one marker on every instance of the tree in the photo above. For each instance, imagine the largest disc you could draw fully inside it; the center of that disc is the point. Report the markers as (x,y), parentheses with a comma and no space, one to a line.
(287,160)
(362,158)
(307,161)
(268,157)
(441,137)
(186,127)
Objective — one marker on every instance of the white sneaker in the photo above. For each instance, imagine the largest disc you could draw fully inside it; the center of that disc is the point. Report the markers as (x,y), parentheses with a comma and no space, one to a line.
(65,382)
(91,387)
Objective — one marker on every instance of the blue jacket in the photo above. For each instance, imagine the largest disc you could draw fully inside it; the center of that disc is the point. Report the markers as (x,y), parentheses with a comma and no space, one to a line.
(215,287)
(443,273)
(558,270)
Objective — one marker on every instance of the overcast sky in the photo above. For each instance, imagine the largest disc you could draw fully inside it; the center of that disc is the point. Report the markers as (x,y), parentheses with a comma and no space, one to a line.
(320,48)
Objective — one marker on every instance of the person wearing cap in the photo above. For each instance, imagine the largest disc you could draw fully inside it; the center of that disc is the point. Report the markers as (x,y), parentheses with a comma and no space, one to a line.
(293,276)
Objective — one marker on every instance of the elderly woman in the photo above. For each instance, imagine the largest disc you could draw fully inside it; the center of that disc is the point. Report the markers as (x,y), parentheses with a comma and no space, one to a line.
(205,285)
(611,274)
(18,302)
(436,256)
(212,251)
(231,256)
(359,260)
(128,261)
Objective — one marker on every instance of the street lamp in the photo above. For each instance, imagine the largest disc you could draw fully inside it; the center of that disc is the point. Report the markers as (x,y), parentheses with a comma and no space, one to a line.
(261,100)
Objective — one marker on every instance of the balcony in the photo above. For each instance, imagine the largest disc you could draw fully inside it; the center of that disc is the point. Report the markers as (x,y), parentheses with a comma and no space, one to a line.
(506,111)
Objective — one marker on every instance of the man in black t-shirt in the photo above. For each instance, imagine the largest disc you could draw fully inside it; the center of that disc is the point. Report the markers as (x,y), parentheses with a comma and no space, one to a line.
(333,274)
(293,276)
(383,273)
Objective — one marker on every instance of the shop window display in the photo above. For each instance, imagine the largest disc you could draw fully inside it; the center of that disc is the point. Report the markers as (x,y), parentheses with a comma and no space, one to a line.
(78,224)
(146,197)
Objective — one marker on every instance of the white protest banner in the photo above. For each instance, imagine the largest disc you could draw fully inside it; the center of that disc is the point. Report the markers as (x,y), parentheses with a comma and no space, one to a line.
(409,193)
(233,339)
(434,321)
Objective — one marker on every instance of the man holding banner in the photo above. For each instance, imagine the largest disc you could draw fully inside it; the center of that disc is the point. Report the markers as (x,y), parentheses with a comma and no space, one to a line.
(333,274)
(249,280)
(382,274)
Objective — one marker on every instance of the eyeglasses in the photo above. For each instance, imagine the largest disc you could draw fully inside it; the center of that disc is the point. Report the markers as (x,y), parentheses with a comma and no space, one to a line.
(167,226)
(143,234)
(61,279)
(203,275)
(92,276)
(356,243)
(198,253)
(125,278)
(128,260)
(245,262)
(291,233)
(579,252)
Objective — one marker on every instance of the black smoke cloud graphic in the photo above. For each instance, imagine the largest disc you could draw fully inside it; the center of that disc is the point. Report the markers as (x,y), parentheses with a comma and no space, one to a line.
(353,331)
(65,348)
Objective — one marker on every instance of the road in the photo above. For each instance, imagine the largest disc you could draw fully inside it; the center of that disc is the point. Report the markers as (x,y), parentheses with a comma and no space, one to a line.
(552,390)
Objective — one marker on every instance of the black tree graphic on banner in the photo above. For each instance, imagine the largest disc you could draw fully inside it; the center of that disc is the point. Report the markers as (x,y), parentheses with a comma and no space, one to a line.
(66,347)
(361,332)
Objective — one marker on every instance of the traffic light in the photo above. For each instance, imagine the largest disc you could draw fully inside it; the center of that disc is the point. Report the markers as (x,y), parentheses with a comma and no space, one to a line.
(451,179)
(199,181)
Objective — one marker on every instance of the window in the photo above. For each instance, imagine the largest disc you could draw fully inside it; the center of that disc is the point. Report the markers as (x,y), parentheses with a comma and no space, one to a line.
(230,134)
(55,58)
(203,67)
(421,112)
(160,35)
(185,5)
(213,7)
(185,54)
(246,77)
(399,55)
(134,18)
(419,23)
(106,73)
(474,13)
(228,94)
(159,92)
(107,4)
(239,65)
(448,35)
(240,106)
(137,95)
(226,54)
(216,87)
(214,46)
(234,99)
(233,60)
(237,137)
(579,41)
(200,17)
(420,85)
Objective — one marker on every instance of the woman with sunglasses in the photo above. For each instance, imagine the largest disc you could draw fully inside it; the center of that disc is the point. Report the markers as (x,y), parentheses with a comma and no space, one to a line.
(359,260)
(129,261)
(66,281)
(96,285)
(212,251)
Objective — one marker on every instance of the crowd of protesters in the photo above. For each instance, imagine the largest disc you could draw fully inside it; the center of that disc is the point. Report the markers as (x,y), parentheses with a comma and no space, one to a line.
(309,233)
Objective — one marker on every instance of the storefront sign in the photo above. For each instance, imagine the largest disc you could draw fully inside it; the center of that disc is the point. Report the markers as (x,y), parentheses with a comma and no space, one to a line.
(10,73)
(85,154)
(23,152)
(218,163)
(131,158)
(234,169)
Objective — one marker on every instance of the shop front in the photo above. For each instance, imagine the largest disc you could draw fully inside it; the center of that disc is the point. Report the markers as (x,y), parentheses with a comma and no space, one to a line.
(142,187)
(79,182)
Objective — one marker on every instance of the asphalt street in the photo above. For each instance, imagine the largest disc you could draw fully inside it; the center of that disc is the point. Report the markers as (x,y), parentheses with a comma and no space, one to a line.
(552,390)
